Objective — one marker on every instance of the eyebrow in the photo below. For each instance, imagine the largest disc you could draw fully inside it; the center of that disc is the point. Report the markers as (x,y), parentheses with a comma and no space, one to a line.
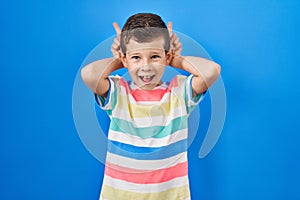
(147,48)
(152,51)
(157,51)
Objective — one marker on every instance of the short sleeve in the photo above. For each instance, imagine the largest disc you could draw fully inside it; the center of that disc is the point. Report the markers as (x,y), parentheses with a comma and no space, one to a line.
(191,102)
(109,102)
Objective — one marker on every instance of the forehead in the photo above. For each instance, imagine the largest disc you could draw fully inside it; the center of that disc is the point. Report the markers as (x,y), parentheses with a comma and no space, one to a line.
(156,44)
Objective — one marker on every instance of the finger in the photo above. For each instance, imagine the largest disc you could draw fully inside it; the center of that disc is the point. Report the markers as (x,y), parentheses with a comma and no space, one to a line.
(115,46)
(173,52)
(178,46)
(113,50)
(117,41)
(176,41)
(172,39)
(170,25)
(117,28)
(174,36)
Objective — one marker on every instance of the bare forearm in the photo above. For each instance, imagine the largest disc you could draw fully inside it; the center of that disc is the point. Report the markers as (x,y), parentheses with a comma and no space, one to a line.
(200,66)
(205,71)
(95,74)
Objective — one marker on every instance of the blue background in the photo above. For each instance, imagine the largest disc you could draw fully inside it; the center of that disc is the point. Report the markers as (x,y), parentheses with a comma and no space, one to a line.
(43,44)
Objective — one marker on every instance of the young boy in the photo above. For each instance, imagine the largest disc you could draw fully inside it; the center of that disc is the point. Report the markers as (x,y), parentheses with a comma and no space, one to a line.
(147,139)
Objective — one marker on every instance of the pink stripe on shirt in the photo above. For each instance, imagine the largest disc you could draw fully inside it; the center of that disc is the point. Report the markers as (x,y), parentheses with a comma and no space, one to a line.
(146,176)
(151,95)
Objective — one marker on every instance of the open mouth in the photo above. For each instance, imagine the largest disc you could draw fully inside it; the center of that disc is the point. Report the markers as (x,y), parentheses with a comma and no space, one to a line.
(147,79)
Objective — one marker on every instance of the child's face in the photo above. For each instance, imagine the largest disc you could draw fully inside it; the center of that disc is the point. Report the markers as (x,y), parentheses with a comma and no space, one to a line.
(146,62)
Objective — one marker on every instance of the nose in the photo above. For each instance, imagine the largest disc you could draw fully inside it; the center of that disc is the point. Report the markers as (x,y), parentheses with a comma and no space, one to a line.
(146,65)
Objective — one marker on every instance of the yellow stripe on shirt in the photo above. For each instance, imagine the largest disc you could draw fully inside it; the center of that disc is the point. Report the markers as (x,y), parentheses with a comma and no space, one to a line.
(179,193)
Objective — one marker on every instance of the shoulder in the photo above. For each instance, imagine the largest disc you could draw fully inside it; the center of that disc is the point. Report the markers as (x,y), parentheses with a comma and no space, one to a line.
(119,84)
(117,80)
(178,81)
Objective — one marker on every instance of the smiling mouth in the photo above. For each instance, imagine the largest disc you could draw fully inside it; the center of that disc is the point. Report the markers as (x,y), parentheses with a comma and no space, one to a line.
(147,79)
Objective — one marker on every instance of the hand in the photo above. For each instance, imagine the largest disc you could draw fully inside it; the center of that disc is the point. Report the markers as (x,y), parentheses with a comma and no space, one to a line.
(175,48)
(115,47)
(175,45)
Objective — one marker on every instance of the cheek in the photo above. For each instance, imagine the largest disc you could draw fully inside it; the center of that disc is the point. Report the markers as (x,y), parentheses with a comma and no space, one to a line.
(164,62)
(160,68)
(132,69)
(159,73)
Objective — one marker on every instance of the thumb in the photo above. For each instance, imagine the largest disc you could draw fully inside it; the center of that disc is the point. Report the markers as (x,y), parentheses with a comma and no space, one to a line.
(117,28)
(170,24)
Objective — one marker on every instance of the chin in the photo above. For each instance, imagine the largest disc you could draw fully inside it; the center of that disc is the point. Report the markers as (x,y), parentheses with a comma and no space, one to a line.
(147,87)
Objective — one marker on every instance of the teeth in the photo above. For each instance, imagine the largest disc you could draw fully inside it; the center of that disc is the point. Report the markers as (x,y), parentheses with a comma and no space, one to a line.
(147,78)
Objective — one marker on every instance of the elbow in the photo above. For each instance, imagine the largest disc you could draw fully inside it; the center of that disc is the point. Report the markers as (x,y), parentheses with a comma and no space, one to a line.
(215,72)
(86,73)
(88,77)
(217,68)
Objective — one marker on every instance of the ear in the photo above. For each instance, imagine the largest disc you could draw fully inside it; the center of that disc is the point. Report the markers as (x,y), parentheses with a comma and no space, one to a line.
(169,57)
(123,59)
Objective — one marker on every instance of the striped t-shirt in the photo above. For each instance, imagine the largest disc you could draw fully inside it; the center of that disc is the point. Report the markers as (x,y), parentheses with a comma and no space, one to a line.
(147,140)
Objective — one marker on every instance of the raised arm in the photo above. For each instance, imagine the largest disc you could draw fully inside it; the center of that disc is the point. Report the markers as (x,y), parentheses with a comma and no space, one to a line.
(205,71)
(95,75)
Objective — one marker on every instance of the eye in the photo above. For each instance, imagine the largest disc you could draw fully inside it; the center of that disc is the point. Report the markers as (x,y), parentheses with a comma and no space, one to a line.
(155,57)
(135,57)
